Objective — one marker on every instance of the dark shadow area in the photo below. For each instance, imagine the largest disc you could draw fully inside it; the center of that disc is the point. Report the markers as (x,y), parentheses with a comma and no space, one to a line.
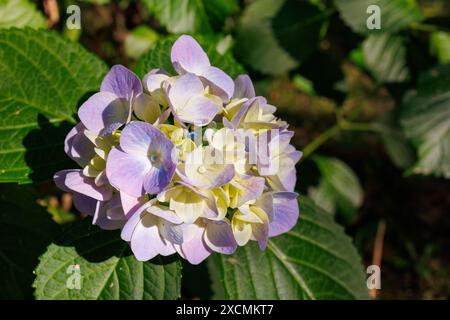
(196,281)
(45,149)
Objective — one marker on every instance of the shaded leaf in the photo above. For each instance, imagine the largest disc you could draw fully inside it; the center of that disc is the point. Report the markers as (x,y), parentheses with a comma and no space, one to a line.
(25,231)
(395,14)
(385,58)
(426,122)
(20,13)
(274,36)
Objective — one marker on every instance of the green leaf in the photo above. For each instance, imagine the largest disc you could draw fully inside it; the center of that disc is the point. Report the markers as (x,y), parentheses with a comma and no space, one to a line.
(20,13)
(426,122)
(191,16)
(339,184)
(385,58)
(139,41)
(159,57)
(107,269)
(274,36)
(25,231)
(440,46)
(44,79)
(395,14)
(315,260)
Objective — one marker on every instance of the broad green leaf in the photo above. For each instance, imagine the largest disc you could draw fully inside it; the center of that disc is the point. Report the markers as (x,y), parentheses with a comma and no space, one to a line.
(25,231)
(159,57)
(20,13)
(395,14)
(385,58)
(426,122)
(139,41)
(191,16)
(107,269)
(315,260)
(274,36)
(338,184)
(44,79)
(440,46)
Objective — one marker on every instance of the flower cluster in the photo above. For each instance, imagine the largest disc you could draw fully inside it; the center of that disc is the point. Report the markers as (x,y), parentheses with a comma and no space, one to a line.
(192,163)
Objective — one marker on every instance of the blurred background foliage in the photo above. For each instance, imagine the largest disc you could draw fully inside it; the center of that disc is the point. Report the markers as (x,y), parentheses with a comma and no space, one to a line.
(370,108)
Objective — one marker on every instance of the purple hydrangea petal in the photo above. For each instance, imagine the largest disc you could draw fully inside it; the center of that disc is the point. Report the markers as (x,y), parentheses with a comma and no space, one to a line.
(127,231)
(78,147)
(127,172)
(285,180)
(122,82)
(109,215)
(219,237)
(183,89)
(85,204)
(199,111)
(221,84)
(251,187)
(165,214)
(170,232)
(104,112)
(260,232)
(153,81)
(237,118)
(74,180)
(188,56)
(158,177)
(139,138)
(131,204)
(195,249)
(243,87)
(146,241)
(286,212)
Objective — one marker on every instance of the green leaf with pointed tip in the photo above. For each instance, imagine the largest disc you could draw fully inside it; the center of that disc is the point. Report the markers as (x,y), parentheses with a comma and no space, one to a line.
(425,120)
(385,58)
(26,229)
(315,260)
(20,13)
(107,269)
(44,79)
(338,184)
(395,15)
(159,57)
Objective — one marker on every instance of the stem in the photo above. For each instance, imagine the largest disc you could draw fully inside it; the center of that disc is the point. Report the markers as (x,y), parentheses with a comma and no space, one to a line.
(320,140)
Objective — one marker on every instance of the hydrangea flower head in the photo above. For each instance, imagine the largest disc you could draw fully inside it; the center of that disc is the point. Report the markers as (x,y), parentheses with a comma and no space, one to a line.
(190,163)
